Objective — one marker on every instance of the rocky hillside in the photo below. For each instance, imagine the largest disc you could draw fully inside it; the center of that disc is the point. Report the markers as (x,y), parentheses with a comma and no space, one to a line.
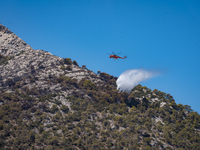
(48,102)
(11,44)
(33,68)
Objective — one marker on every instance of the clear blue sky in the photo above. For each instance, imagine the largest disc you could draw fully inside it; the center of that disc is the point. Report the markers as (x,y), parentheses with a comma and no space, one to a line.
(154,34)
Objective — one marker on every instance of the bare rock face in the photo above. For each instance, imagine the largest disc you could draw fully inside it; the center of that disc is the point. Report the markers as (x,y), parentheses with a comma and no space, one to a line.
(4,29)
(11,44)
(29,62)
(22,62)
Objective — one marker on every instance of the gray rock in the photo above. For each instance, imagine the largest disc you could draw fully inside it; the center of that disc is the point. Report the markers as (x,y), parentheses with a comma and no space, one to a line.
(11,44)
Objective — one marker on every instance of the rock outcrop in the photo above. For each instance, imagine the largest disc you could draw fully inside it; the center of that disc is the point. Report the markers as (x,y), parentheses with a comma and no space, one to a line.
(10,43)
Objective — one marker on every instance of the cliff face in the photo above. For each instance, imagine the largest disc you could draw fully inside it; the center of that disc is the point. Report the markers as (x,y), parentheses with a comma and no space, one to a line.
(47,102)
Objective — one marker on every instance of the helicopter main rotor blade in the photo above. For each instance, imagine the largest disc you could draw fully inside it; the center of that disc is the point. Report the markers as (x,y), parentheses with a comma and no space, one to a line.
(119,53)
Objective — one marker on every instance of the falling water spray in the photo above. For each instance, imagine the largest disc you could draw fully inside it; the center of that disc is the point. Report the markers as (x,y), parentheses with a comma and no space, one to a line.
(130,78)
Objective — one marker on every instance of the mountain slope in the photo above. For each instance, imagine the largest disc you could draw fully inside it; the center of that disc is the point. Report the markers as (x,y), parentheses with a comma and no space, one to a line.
(11,44)
(47,102)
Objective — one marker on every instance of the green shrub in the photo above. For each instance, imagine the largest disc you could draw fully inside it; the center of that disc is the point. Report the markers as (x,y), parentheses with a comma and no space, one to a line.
(32,137)
(1,126)
(10,82)
(89,85)
(62,67)
(69,68)
(58,102)
(54,109)
(64,108)
(58,115)
(68,61)
(75,63)
(3,59)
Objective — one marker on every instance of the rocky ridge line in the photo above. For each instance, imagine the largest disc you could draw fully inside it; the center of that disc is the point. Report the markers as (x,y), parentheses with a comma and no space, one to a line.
(10,43)
(24,63)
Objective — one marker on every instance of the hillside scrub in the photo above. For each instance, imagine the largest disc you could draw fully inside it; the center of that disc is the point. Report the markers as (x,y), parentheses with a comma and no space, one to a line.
(111,120)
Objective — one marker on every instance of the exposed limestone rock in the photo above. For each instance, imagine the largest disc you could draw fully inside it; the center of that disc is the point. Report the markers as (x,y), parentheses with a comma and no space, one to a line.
(154,99)
(157,119)
(11,44)
(162,104)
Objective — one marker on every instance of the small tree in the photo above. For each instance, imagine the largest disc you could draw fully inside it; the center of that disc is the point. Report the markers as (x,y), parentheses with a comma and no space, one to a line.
(62,67)
(10,82)
(84,67)
(68,61)
(75,63)
(64,108)
(98,72)
(69,68)
(54,109)
(32,137)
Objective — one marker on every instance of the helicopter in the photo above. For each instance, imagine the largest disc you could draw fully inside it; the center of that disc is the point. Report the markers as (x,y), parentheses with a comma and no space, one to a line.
(115,56)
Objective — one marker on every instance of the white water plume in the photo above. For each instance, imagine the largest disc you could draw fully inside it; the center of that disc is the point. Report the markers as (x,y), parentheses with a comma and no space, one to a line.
(130,78)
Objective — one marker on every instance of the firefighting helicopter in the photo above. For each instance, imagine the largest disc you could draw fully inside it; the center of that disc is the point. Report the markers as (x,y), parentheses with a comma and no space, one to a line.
(115,56)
